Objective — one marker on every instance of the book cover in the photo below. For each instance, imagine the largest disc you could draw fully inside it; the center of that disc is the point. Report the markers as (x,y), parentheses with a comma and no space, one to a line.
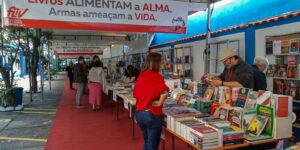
(205,131)
(264,97)
(224,94)
(257,125)
(235,93)
(277,47)
(278,86)
(281,70)
(248,114)
(271,70)
(282,105)
(269,47)
(208,93)
(289,88)
(216,94)
(294,47)
(291,59)
(251,138)
(224,112)
(292,71)
(251,99)
(235,117)
(285,46)
(241,100)
(279,60)
(268,112)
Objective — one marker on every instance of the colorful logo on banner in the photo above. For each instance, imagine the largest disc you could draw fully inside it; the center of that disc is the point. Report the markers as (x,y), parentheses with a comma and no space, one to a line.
(15,12)
(179,22)
(14,15)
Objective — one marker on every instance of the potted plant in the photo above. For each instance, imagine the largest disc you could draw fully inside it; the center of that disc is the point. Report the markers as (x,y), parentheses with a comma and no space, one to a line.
(8,101)
(11,44)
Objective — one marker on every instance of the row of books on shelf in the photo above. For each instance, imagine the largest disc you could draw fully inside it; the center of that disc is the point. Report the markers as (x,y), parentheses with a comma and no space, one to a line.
(283,46)
(284,71)
(185,59)
(286,87)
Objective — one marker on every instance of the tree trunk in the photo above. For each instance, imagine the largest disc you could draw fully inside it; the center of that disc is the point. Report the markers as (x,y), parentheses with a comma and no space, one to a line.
(34,62)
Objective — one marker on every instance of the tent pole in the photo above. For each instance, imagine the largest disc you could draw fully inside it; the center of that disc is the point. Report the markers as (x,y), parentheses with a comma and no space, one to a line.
(208,39)
(49,73)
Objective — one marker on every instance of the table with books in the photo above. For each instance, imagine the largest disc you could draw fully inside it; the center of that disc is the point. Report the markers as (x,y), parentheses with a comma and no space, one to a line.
(116,89)
(224,118)
(124,92)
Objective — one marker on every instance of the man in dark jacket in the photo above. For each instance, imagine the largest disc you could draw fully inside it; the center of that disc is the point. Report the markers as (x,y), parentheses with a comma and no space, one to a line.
(80,77)
(236,72)
(70,70)
(259,77)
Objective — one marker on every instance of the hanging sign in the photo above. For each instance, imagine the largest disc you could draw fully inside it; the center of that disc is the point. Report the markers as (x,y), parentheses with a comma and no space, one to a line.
(109,15)
(75,49)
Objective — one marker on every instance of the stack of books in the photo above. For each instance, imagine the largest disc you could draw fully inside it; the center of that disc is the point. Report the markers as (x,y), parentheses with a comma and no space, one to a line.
(178,113)
(204,137)
(184,126)
(232,135)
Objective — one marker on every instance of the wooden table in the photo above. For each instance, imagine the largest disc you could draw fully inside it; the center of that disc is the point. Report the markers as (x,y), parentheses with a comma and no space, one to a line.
(245,144)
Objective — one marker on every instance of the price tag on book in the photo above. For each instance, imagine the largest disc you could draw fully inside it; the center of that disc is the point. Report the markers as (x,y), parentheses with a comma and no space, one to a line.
(114,96)
(125,102)
(106,91)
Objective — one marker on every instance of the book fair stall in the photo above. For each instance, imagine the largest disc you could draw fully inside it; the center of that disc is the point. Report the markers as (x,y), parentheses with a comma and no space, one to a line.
(208,117)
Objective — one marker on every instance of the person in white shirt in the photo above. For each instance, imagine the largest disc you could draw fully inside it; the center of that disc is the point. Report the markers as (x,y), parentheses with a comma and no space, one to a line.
(96,78)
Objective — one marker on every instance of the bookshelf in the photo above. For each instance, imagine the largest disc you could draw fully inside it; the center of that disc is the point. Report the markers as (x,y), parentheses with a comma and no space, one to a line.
(283,74)
(284,56)
(137,60)
(182,62)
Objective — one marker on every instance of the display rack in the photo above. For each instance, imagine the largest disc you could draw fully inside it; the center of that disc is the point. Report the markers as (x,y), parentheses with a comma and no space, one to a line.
(283,74)
(284,56)
(137,60)
(182,62)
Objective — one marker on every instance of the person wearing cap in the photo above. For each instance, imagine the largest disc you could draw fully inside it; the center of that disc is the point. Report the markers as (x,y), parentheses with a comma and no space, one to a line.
(236,72)
(259,77)
(80,77)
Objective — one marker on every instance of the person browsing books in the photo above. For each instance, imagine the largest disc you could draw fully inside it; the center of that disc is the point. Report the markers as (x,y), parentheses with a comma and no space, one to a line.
(236,72)
(259,77)
(150,92)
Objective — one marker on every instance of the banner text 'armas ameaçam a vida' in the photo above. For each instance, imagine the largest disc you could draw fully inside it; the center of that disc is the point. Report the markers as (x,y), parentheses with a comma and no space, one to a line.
(109,15)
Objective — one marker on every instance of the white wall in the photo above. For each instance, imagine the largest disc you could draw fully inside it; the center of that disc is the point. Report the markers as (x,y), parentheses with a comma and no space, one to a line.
(137,46)
(260,40)
(106,53)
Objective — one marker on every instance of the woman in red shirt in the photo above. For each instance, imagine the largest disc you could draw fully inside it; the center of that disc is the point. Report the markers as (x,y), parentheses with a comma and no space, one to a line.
(150,92)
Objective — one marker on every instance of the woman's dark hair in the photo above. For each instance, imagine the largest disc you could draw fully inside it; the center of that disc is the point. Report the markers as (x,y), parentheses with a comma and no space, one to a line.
(80,58)
(130,70)
(98,63)
(153,62)
(95,58)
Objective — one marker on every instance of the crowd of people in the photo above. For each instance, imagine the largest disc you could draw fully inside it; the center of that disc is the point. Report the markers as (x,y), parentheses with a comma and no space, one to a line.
(87,76)
(92,77)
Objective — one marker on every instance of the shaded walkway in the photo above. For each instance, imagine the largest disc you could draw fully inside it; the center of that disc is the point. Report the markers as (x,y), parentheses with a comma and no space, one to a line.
(83,129)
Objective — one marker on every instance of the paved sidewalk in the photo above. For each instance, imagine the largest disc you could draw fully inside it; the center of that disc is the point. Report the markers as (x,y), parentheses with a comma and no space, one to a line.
(28,129)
